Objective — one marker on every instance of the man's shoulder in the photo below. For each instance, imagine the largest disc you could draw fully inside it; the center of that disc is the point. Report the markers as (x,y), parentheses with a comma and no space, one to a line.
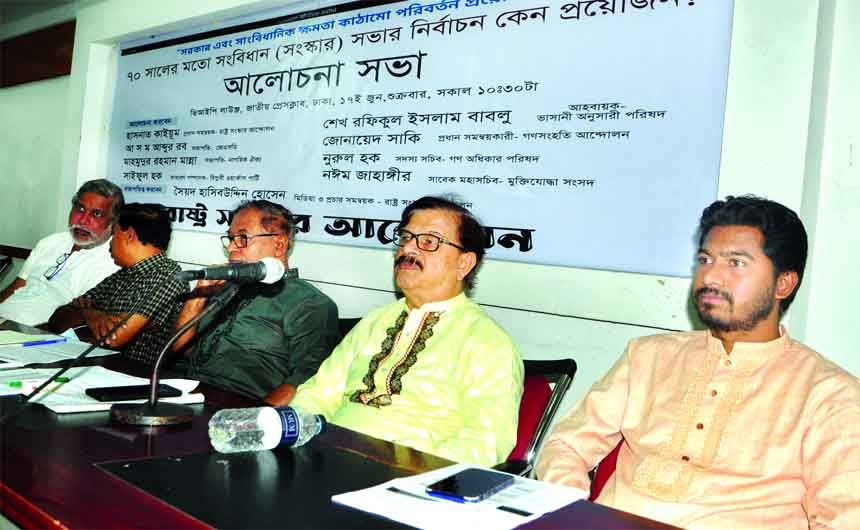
(823,371)
(302,289)
(56,240)
(668,344)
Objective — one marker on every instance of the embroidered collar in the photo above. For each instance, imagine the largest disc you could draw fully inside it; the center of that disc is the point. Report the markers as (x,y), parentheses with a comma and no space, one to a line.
(751,354)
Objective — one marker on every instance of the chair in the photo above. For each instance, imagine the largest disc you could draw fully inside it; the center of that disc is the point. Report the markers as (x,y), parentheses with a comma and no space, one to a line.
(5,261)
(603,471)
(346,324)
(538,406)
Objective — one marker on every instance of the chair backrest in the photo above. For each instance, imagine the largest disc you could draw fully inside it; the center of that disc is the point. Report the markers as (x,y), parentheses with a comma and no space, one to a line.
(604,470)
(346,324)
(538,407)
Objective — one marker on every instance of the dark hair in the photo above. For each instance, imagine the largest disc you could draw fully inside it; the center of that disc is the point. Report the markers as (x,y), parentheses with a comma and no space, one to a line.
(785,242)
(150,221)
(275,217)
(105,188)
(471,234)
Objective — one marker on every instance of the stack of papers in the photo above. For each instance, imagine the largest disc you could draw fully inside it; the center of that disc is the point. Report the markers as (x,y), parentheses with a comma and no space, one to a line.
(20,349)
(405,501)
(71,396)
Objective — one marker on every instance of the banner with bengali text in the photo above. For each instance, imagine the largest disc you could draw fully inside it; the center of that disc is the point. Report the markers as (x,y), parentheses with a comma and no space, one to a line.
(583,133)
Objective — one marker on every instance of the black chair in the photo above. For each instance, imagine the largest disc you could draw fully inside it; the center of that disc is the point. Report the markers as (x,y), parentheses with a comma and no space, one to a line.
(346,324)
(534,424)
(5,262)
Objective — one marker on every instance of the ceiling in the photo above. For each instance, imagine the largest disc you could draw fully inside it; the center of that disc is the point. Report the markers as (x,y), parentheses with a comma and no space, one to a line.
(13,10)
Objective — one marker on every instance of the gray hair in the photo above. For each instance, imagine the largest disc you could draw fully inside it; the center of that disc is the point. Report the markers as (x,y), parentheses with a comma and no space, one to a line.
(106,189)
(275,217)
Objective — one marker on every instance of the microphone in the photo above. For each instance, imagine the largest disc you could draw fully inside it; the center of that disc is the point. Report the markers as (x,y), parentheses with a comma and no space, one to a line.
(267,270)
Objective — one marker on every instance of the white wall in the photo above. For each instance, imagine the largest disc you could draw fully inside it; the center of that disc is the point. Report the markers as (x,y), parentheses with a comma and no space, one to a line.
(790,124)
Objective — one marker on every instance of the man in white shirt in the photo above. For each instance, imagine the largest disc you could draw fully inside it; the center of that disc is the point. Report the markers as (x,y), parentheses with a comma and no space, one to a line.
(65,265)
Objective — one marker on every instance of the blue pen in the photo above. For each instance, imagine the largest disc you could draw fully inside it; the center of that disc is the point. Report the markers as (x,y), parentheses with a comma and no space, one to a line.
(43,342)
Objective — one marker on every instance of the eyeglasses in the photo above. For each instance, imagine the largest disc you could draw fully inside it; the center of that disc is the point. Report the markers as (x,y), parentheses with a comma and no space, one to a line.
(57,267)
(426,242)
(241,240)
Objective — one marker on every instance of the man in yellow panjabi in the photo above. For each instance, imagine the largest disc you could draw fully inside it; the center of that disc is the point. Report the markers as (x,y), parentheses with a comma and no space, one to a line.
(431,370)
(735,427)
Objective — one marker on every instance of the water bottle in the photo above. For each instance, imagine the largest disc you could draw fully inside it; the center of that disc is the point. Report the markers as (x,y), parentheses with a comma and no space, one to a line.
(254,429)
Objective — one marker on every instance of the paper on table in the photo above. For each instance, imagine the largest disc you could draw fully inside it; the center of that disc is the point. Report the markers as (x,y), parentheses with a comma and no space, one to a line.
(404,500)
(71,396)
(10,337)
(16,356)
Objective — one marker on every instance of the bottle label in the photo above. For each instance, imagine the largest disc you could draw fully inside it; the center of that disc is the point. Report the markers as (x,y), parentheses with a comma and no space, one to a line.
(289,425)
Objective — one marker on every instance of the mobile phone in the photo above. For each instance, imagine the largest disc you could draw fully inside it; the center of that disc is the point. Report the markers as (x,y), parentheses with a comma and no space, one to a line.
(470,485)
(128,393)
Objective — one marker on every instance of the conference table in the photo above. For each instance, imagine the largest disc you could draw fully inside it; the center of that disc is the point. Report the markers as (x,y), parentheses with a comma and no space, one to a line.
(83,471)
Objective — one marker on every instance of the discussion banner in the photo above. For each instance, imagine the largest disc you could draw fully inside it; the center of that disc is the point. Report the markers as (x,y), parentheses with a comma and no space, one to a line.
(582,133)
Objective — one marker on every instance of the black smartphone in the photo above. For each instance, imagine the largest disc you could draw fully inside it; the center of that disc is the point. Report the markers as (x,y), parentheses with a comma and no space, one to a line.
(470,485)
(128,393)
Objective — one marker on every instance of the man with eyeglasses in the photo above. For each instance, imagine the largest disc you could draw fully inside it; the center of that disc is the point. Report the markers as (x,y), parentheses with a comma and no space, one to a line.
(431,370)
(271,337)
(65,265)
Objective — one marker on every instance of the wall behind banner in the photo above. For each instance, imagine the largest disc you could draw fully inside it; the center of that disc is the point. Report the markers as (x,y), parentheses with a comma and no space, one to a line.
(790,133)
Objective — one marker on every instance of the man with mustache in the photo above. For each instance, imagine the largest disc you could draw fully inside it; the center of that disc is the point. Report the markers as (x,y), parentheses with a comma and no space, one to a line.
(144,286)
(431,370)
(65,265)
(738,426)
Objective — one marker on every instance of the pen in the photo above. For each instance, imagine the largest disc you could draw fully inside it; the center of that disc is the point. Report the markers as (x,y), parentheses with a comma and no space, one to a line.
(41,342)
(395,489)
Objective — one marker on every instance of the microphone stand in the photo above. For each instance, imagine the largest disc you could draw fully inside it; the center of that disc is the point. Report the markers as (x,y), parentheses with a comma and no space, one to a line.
(152,412)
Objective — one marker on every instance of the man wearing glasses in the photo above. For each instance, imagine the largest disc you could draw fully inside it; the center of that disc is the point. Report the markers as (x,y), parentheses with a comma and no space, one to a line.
(430,370)
(270,338)
(65,265)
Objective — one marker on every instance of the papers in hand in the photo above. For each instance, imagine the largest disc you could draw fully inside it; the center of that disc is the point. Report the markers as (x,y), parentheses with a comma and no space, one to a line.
(404,500)
(71,396)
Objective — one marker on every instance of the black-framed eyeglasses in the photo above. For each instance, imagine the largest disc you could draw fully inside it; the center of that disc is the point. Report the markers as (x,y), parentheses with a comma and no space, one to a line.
(426,242)
(242,240)
(55,269)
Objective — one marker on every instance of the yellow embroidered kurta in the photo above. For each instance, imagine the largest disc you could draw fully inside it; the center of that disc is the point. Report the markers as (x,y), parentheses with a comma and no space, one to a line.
(450,383)
(766,437)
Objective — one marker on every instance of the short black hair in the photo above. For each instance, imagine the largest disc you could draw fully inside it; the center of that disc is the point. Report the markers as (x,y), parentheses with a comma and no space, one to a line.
(106,189)
(275,217)
(472,235)
(785,242)
(150,221)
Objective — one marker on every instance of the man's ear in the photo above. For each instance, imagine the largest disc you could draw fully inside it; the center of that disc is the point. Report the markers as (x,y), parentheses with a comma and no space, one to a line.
(465,263)
(130,234)
(282,246)
(786,283)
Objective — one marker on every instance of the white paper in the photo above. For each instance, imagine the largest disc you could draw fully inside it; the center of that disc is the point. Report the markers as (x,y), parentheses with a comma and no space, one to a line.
(411,505)
(15,356)
(72,397)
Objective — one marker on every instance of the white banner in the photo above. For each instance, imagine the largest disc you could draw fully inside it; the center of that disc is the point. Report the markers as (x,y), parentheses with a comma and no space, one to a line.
(582,133)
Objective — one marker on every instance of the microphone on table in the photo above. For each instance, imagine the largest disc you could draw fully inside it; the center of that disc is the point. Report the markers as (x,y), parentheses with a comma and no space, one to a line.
(267,270)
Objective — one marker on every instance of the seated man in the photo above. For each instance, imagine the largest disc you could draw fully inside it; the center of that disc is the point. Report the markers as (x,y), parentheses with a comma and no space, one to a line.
(144,286)
(65,265)
(738,426)
(431,370)
(270,338)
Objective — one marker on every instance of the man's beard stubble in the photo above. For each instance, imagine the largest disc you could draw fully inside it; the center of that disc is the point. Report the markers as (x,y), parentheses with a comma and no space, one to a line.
(760,310)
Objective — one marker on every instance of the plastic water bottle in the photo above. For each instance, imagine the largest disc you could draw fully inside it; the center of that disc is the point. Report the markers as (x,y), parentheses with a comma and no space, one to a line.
(255,429)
